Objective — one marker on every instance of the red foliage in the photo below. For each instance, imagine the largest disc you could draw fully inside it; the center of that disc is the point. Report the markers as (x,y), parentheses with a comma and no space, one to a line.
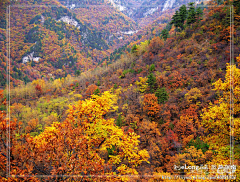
(38,89)
(87,83)
(90,90)
(150,105)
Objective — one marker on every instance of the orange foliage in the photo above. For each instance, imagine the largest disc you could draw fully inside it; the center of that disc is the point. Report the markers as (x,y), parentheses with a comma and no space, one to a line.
(90,90)
(150,105)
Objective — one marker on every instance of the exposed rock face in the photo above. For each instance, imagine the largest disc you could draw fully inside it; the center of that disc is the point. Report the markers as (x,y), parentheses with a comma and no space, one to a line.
(70,21)
(137,9)
(130,32)
(150,11)
(168,4)
(36,59)
(118,4)
(72,6)
(25,59)
(30,57)
(42,19)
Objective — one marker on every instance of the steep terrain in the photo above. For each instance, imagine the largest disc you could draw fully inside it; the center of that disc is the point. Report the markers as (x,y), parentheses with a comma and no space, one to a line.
(166,102)
(145,11)
(48,40)
(51,40)
(160,106)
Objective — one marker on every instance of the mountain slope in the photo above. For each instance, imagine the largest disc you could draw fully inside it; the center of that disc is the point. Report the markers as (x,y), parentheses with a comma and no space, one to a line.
(64,41)
(114,26)
(145,11)
(170,97)
(50,41)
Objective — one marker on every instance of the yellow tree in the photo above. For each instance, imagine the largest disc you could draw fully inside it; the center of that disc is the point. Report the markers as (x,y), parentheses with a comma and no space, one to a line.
(193,95)
(142,84)
(221,121)
(87,143)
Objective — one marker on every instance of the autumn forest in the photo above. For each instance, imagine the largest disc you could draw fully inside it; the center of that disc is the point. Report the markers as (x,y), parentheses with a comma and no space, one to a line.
(92,90)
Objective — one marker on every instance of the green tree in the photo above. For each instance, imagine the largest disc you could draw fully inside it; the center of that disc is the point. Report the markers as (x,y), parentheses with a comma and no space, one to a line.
(151,81)
(134,49)
(199,144)
(199,13)
(183,15)
(152,68)
(191,14)
(162,95)
(77,73)
(96,92)
(2,80)
(176,21)
(26,79)
(115,86)
(165,34)
(119,121)
(219,2)
(98,83)
(236,4)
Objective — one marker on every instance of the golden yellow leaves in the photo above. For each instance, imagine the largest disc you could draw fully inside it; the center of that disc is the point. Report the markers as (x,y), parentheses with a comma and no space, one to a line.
(87,132)
(142,84)
(193,160)
(123,169)
(40,82)
(193,95)
(142,48)
(238,59)
(94,108)
(216,122)
(217,117)
(57,83)
(127,146)
(42,140)
(232,80)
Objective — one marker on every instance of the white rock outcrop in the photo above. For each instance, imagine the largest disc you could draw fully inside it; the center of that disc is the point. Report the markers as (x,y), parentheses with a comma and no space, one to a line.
(130,32)
(42,19)
(36,59)
(25,59)
(168,4)
(70,21)
(150,11)
(30,57)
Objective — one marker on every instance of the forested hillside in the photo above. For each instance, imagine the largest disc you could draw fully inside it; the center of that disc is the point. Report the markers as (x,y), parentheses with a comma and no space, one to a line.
(164,105)
(48,40)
